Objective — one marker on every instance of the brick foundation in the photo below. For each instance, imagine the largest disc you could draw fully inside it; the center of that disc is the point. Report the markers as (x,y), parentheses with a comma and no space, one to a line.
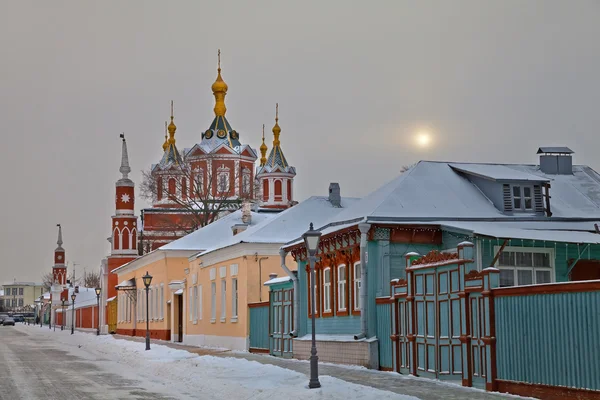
(154,333)
(361,353)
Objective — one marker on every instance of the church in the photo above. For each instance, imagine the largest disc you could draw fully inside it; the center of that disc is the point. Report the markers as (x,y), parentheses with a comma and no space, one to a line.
(191,188)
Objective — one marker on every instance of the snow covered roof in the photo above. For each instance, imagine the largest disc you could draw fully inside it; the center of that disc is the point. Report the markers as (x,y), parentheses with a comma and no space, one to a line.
(497,172)
(278,280)
(215,233)
(433,190)
(288,224)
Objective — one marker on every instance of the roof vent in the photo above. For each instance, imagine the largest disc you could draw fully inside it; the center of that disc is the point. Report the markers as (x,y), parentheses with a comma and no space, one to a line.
(334,194)
(556,160)
(272,275)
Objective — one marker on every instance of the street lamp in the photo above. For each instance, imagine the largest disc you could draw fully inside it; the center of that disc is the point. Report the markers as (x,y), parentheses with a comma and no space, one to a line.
(62,325)
(311,241)
(50,314)
(98,290)
(73,314)
(147,280)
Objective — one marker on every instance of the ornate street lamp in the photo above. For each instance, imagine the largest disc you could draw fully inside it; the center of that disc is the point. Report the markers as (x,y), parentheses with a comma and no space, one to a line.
(73,314)
(62,325)
(98,290)
(50,314)
(311,241)
(147,280)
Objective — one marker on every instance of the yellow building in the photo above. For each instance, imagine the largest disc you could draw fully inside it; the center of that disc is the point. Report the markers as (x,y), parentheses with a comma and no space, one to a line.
(228,278)
(20,296)
(169,268)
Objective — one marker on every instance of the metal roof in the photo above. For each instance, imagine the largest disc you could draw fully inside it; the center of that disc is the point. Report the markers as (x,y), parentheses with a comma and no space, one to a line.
(560,150)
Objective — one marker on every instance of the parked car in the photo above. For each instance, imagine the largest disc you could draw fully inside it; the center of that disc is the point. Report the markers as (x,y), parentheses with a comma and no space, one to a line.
(2,317)
(18,318)
(8,321)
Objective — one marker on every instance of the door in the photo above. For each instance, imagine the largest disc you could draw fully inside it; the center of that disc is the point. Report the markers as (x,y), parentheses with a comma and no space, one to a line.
(281,322)
(112,316)
(449,324)
(168,321)
(402,330)
(425,315)
(179,318)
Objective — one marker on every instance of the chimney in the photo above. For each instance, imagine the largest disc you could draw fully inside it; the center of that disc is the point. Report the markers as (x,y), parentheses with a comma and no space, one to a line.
(272,275)
(556,160)
(246,212)
(334,195)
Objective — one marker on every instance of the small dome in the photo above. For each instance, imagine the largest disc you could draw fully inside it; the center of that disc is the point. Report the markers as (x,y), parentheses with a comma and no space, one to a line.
(219,85)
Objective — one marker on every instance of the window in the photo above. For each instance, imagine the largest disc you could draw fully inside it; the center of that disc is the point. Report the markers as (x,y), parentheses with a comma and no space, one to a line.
(234,299)
(199,301)
(172,187)
(213,305)
(223,179)
(191,303)
(159,188)
(20,302)
(356,289)
(184,193)
(341,288)
(223,300)
(14,291)
(162,301)
(198,182)
(246,181)
(317,293)
(522,197)
(525,266)
(327,290)
(20,291)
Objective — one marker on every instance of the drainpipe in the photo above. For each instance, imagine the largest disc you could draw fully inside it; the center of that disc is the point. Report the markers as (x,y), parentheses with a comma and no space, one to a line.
(283,253)
(260,281)
(364,284)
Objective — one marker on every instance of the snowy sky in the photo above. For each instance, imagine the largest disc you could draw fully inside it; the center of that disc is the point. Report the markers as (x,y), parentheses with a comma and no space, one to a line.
(355,82)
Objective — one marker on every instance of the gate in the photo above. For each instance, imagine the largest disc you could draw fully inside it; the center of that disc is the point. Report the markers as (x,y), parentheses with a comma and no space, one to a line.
(281,322)
(259,327)
(111,308)
(440,318)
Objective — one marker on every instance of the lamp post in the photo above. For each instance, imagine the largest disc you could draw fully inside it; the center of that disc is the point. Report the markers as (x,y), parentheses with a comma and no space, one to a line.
(311,241)
(50,314)
(62,325)
(98,290)
(147,280)
(73,314)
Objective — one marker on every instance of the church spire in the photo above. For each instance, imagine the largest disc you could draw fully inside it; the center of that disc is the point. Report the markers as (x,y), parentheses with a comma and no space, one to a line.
(125,169)
(263,149)
(276,128)
(219,89)
(172,128)
(59,242)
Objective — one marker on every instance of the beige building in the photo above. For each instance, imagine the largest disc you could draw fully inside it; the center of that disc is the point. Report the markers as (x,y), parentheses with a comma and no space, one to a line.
(19,296)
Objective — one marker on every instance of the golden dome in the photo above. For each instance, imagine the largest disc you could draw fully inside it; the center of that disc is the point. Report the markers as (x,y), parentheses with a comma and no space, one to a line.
(276,128)
(263,149)
(166,143)
(219,89)
(172,128)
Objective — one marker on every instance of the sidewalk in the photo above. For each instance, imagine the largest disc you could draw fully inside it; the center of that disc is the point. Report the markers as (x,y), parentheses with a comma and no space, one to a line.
(425,389)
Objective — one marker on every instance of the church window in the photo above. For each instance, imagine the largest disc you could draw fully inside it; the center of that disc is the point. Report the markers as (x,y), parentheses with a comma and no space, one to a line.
(223,179)
(159,188)
(198,182)
(278,190)
(265,190)
(184,193)
(172,187)
(246,181)
(289,190)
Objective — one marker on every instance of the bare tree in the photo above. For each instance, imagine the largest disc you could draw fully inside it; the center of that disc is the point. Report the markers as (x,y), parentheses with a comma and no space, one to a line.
(203,189)
(47,280)
(92,279)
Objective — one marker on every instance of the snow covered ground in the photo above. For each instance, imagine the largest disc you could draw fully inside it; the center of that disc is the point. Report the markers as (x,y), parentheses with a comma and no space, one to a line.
(181,374)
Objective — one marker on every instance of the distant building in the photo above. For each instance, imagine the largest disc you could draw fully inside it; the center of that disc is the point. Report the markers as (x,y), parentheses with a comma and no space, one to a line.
(20,296)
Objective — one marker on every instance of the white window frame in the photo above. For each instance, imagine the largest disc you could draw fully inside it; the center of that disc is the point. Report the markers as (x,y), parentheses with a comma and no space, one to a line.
(223,175)
(522,198)
(162,301)
(341,282)
(234,299)
(326,290)
(356,286)
(533,269)
(246,185)
(191,303)
(223,300)
(200,302)
(213,301)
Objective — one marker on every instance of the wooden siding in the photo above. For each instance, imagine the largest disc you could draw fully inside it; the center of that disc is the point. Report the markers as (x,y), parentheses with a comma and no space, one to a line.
(549,339)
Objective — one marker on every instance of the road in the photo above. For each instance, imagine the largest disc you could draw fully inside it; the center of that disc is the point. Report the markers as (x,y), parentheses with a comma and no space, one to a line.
(34,367)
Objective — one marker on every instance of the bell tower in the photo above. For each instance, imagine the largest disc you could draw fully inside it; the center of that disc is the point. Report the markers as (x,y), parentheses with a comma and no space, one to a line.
(58,290)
